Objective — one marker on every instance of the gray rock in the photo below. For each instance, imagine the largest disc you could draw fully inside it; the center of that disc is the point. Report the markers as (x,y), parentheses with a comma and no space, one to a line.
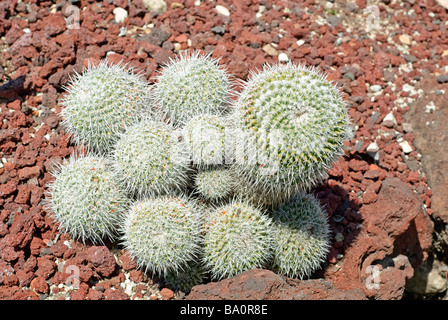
(409,58)
(219,29)
(349,75)
(334,20)
(157,36)
(428,279)
(442,78)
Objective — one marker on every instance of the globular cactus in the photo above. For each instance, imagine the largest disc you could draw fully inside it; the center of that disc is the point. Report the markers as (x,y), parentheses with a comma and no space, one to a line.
(215,184)
(192,84)
(301,236)
(205,137)
(86,200)
(163,234)
(187,277)
(102,101)
(237,238)
(149,160)
(294,123)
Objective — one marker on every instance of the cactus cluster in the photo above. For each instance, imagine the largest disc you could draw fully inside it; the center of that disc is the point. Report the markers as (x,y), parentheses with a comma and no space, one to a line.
(208,188)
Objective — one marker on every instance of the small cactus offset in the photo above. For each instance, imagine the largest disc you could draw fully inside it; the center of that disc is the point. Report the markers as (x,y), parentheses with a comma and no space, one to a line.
(192,84)
(102,101)
(86,200)
(215,184)
(295,123)
(148,159)
(301,236)
(163,234)
(237,238)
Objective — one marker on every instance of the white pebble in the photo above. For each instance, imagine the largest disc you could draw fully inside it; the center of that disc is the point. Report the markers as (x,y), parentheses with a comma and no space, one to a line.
(375,88)
(300,42)
(373,147)
(222,10)
(405,147)
(283,57)
(390,117)
(431,107)
(120,15)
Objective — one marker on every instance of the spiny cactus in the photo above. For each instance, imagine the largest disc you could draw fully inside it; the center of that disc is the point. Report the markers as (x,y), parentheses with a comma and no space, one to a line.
(102,101)
(86,200)
(214,184)
(257,195)
(301,236)
(149,160)
(186,278)
(163,234)
(237,238)
(294,122)
(205,136)
(191,84)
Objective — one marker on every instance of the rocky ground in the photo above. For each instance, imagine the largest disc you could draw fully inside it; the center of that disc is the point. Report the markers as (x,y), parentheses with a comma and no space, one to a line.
(386,198)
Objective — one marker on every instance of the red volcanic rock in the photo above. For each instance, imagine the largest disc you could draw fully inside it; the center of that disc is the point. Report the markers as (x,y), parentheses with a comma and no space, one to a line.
(259,284)
(102,260)
(115,293)
(24,277)
(22,230)
(54,24)
(58,249)
(25,295)
(94,295)
(29,172)
(166,294)
(358,165)
(45,267)
(127,263)
(39,285)
(388,222)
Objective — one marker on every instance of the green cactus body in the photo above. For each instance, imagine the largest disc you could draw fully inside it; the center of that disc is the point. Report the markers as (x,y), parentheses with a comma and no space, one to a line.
(301,237)
(102,101)
(163,234)
(86,200)
(294,123)
(237,238)
(215,184)
(186,278)
(192,84)
(150,160)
